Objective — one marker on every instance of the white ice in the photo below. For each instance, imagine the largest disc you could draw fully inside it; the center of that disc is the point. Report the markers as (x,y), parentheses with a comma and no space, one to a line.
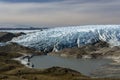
(65,37)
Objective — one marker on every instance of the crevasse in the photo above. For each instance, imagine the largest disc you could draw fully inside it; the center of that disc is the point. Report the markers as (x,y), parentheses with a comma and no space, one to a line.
(66,37)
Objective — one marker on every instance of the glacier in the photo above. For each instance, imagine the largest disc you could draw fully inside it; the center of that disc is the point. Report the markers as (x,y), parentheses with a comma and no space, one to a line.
(66,37)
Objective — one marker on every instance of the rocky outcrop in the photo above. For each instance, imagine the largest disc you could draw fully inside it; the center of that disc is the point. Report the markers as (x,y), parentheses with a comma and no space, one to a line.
(6,36)
(16,48)
(96,50)
(73,52)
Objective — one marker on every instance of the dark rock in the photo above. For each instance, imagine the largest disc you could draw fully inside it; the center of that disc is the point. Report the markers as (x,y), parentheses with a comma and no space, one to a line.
(96,55)
(101,44)
(32,66)
(19,34)
(7,36)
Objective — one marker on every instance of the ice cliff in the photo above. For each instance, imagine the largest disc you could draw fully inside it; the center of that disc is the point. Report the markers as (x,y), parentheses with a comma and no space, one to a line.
(66,37)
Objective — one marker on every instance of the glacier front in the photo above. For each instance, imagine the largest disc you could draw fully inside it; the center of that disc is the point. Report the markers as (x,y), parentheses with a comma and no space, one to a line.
(67,37)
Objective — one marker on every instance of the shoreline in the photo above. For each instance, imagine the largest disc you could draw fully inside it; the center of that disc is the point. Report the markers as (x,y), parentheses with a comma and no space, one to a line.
(25,60)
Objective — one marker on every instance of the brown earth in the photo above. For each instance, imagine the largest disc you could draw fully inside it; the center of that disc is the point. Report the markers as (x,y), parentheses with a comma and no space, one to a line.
(96,50)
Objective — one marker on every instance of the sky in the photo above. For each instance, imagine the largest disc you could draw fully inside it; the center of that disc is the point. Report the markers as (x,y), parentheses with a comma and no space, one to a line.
(60,12)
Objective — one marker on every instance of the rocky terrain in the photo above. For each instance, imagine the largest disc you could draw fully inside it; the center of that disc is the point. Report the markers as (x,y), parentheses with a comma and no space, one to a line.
(14,70)
(18,49)
(6,36)
(101,50)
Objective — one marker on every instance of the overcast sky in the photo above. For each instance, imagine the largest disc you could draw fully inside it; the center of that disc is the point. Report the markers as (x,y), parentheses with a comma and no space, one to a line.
(60,12)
